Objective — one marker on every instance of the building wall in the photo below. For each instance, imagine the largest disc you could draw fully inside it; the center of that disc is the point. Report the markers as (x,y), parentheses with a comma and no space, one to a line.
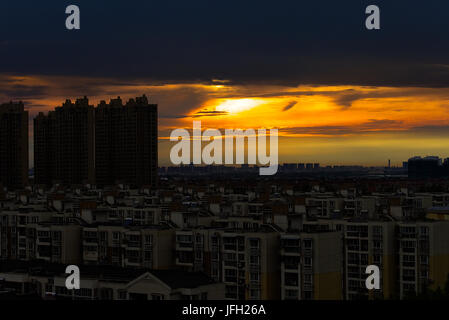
(13,146)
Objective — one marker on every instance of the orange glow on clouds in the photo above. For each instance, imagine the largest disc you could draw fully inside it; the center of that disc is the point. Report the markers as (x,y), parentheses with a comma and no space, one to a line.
(327,124)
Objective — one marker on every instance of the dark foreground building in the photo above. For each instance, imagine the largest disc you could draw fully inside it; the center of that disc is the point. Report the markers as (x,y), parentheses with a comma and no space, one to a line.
(13,145)
(113,143)
(64,144)
(427,167)
(126,142)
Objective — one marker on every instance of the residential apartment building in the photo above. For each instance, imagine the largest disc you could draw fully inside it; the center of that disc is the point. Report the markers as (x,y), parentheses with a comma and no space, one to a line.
(247,261)
(59,243)
(126,142)
(423,249)
(130,247)
(369,243)
(311,265)
(18,231)
(47,281)
(64,144)
(13,145)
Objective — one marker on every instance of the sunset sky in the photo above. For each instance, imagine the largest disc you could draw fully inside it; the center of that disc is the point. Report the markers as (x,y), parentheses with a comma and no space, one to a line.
(338,93)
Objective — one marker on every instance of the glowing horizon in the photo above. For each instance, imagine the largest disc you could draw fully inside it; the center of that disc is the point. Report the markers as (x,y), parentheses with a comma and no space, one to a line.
(326,124)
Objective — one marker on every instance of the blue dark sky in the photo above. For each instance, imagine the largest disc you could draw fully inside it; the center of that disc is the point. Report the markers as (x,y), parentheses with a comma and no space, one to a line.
(289,42)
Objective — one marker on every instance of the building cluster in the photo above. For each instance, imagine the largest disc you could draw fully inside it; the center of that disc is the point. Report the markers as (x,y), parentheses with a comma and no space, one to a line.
(237,240)
(427,167)
(204,232)
(77,144)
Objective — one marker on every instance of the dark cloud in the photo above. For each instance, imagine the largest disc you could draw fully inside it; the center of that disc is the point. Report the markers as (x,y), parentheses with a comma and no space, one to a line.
(373,125)
(213,113)
(284,42)
(289,105)
(21,92)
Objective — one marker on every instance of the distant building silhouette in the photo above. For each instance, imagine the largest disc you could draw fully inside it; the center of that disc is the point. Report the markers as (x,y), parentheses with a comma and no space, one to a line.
(427,167)
(112,143)
(64,144)
(126,142)
(13,145)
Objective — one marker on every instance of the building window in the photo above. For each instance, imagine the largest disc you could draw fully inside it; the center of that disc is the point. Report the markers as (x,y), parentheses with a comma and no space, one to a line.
(254,243)
(424,230)
(254,276)
(254,260)
(122,294)
(307,243)
(307,261)
(307,278)
(424,259)
(254,294)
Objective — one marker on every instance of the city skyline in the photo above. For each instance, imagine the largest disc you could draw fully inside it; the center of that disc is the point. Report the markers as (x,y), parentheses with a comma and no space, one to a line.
(369,142)
(339,93)
(252,152)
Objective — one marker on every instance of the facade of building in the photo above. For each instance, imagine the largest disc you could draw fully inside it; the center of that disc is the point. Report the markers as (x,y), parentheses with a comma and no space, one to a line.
(126,142)
(113,143)
(64,144)
(423,256)
(259,241)
(13,145)
(311,266)
(48,282)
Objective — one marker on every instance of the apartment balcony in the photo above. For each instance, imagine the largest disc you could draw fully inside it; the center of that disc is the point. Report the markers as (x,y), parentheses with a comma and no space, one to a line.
(291,251)
(409,235)
(90,243)
(230,263)
(378,250)
(132,262)
(355,276)
(116,243)
(352,234)
(254,252)
(354,262)
(254,267)
(230,280)
(230,247)
(307,269)
(90,256)
(44,241)
(407,250)
(22,243)
(307,287)
(254,284)
(291,284)
(307,252)
(131,245)
(408,264)
(184,246)
(44,256)
(184,263)
(116,260)
(291,294)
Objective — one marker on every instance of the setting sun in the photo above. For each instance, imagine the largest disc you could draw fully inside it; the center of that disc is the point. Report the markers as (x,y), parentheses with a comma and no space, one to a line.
(237,105)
